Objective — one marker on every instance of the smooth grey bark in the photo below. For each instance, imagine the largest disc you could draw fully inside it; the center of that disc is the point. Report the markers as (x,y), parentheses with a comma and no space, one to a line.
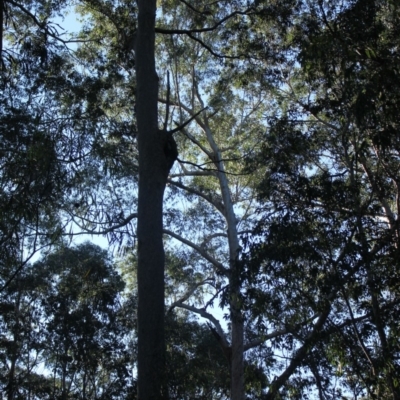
(157,152)
(237,343)
(237,338)
(226,208)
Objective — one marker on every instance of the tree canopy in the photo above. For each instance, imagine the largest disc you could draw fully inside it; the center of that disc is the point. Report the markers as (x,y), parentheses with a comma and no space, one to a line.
(242,158)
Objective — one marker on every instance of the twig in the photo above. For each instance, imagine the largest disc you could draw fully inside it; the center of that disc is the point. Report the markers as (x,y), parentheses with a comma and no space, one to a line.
(180,127)
(167,105)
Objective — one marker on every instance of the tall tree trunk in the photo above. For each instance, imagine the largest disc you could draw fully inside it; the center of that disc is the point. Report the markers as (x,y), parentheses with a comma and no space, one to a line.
(155,162)
(237,365)
(237,339)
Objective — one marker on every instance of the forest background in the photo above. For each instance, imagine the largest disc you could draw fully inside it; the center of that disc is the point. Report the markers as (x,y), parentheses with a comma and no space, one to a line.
(238,155)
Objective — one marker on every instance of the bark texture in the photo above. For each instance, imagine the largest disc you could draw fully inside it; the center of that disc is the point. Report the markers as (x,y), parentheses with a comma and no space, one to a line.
(155,161)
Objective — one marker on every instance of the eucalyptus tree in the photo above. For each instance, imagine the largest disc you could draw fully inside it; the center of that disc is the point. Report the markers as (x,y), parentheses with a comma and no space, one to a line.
(329,250)
(22,338)
(225,125)
(217,197)
(86,343)
(187,35)
(65,330)
(40,153)
(157,151)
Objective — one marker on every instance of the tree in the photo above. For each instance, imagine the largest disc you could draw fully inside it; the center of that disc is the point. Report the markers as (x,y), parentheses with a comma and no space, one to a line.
(40,153)
(196,366)
(307,283)
(235,17)
(69,329)
(331,242)
(76,101)
(157,152)
(86,348)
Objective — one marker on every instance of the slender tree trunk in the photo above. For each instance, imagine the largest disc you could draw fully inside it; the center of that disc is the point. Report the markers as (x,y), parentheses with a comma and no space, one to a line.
(237,365)
(64,380)
(237,339)
(15,348)
(155,162)
(11,379)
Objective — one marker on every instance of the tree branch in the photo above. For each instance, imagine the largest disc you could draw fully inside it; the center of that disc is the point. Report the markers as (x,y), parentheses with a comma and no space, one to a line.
(180,127)
(217,204)
(191,7)
(106,231)
(44,26)
(203,313)
(189,31)
(210,50)
(177,104)
(189,293)
(220,267)
(299,357)
(214,169)
(192,173)
(197,143)
(168,103)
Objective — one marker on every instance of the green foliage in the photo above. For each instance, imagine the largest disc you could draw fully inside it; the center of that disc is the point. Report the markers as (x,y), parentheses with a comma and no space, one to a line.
(64,316)
(303,107)
(197,368)
(329,230)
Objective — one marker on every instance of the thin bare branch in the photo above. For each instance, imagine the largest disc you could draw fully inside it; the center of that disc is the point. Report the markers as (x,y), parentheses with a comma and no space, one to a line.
(177,104)
(200,250)
(212,200)
(203,313)
(192,173)
(210,50)
(86,231)
(180,127)
(200,166)
(190,292)
(197,143)
(263,339)
(168,103)
(209,29)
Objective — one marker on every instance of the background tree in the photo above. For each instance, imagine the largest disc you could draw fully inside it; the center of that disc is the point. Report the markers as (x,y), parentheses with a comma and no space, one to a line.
(32,178)
(315,283)
(331,241)
(69,329)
